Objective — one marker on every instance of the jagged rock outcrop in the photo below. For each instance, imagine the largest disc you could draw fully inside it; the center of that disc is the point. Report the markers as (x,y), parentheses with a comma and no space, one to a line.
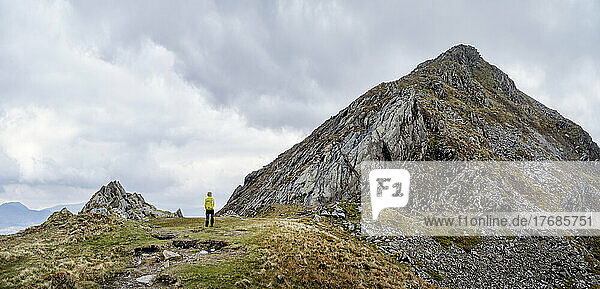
(112,199)
(178,213)
(454,107)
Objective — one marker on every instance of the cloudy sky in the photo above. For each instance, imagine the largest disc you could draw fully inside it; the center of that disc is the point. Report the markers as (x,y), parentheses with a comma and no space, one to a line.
(174,99)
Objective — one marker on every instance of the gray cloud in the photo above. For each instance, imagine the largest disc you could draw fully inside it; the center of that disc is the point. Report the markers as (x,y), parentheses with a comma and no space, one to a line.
(178,99)
(291,54)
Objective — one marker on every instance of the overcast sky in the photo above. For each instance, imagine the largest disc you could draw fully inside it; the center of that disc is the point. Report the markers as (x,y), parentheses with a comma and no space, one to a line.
(175,98)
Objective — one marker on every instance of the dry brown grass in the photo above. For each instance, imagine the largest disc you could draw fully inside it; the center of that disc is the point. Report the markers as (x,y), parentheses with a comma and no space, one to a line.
(301,255)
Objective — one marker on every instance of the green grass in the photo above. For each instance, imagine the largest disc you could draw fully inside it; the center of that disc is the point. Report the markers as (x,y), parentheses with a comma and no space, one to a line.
(230,273)
(91,251)
(40,255)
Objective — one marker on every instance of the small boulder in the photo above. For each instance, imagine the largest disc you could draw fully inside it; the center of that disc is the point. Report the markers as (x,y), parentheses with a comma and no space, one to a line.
(170,255)
(203,252)
(146,279)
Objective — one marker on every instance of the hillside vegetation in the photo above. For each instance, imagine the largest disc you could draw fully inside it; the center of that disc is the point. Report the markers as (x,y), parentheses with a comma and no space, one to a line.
(97,251)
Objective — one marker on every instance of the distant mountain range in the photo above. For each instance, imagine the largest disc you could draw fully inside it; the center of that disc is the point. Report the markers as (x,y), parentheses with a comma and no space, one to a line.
(15,216)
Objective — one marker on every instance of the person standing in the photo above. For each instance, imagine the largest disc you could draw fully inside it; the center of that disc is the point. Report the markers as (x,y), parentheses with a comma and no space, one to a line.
(209,205)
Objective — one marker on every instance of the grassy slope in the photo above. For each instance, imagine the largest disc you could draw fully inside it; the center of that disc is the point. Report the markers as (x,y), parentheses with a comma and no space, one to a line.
(89,250)
(79,249)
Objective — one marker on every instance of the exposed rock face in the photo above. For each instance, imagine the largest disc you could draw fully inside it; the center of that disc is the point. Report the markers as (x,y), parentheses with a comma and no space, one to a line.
(112,199)
(454,107)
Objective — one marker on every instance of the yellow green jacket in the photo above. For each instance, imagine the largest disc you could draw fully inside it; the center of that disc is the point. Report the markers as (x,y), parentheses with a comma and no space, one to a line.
(209,203)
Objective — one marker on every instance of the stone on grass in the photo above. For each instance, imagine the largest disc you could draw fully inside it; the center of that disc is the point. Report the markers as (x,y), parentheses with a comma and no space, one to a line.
(170,255)
(146,279)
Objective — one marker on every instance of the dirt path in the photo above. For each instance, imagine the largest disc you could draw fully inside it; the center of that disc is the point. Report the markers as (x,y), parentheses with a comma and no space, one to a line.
(148,263)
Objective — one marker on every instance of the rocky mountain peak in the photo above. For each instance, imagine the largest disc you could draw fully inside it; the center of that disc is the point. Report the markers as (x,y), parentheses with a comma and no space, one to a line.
(462,67)
(454,107)
(113,191)
(112,199)
(463,54)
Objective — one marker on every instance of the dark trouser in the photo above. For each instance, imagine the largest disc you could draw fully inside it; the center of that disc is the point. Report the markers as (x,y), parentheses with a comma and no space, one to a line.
(211,214)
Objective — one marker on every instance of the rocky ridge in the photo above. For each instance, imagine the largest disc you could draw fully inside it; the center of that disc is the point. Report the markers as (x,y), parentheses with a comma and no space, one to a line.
(112,199)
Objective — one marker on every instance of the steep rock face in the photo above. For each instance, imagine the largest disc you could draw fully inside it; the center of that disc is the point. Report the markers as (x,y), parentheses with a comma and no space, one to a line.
(112,199)
(454,107)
